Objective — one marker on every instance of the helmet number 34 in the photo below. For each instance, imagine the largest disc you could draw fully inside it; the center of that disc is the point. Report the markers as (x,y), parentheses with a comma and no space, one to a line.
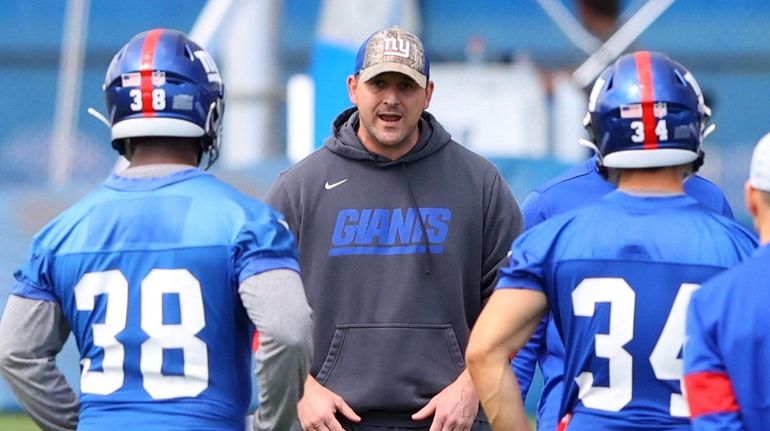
(638,127)
(158,99)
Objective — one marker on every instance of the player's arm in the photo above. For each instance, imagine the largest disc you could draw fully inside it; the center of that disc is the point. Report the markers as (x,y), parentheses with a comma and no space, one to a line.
(32,332)
(534,210)
(525,361)
(710,395)
(504,326)
(276,303)
(456,406)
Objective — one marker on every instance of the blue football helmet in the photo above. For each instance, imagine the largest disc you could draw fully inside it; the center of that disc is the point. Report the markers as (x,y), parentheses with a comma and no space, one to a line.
(647,111)
(161,83)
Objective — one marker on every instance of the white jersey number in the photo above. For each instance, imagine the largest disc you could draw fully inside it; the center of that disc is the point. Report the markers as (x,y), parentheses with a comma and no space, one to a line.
(182,336)
(158,99)
(660,129)
(664,358)
(115,286)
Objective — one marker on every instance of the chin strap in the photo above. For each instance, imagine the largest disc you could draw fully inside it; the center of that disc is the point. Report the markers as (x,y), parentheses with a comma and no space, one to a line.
(211,155)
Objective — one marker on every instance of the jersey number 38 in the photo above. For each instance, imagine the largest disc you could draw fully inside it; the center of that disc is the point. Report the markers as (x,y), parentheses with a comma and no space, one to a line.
(182,336)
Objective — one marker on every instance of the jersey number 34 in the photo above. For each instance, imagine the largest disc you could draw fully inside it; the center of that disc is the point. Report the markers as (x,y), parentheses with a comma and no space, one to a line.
(664,358)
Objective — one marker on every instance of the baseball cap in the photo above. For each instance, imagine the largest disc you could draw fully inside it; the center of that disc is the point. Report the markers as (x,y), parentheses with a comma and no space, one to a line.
(759,174)
(393,50)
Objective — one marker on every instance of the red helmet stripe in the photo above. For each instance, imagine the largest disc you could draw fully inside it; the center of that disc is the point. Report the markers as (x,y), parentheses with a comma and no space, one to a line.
(647,93)
(146,68)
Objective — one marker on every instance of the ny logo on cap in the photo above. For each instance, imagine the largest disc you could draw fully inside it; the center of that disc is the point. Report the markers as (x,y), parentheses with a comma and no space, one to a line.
(396,46)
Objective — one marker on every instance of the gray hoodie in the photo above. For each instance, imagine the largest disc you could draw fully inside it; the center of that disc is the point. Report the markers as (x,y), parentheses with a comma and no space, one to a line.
(394,295)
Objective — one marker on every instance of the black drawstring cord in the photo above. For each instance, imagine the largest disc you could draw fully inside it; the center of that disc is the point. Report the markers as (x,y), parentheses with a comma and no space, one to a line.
(419,217)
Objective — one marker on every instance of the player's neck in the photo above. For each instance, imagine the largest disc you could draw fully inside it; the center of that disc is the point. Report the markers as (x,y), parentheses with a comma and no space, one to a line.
(164,152)
(662,180)
(762,225)
(159,160)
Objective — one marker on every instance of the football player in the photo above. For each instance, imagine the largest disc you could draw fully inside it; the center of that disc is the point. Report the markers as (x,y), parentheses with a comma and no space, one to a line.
(616,275)
(582,184)
(727,348)
(161,273)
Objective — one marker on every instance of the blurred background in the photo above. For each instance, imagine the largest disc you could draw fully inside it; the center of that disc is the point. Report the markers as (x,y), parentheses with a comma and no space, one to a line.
(510,75)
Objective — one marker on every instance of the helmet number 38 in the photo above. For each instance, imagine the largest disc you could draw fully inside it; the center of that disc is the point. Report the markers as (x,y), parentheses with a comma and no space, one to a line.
(638,127)
(158,99)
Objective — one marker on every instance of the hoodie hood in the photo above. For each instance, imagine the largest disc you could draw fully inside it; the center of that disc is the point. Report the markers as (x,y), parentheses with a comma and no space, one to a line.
(345,143)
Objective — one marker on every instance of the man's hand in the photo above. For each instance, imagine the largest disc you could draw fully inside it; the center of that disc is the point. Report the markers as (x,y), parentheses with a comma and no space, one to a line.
(318,405)
(454,408)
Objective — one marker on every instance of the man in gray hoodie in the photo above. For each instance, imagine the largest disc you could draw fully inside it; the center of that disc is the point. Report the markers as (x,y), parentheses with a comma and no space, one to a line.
(400,232)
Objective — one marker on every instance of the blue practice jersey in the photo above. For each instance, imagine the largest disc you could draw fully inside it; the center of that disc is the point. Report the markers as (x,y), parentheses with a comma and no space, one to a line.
(618,275)
(578,186)
(146,272)
(727,352)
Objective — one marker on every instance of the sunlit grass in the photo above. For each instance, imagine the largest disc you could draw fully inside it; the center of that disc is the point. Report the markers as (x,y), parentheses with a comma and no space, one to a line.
(17,422)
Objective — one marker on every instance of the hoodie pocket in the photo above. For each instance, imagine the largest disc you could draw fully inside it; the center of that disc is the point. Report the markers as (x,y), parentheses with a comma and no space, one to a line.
(391,367)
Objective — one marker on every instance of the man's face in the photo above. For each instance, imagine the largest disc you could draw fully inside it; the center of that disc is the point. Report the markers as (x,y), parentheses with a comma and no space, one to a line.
(389,107)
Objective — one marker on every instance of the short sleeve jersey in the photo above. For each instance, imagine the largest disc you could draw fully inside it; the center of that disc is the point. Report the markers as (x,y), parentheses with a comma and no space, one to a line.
(146,272)
(728,349)
(578,186)
(618,275)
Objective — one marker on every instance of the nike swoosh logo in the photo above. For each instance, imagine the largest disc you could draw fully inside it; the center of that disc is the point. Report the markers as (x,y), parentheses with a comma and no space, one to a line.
(328,186)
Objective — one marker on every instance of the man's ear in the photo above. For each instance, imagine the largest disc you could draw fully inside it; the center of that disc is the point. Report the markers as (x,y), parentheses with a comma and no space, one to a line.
(352,84)
(751,196)
(428,94)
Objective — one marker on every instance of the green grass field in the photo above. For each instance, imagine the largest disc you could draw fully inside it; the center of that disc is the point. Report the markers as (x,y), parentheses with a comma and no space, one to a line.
(16,422)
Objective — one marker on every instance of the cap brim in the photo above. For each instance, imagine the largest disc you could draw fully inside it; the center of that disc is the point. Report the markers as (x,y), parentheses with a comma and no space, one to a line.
(372,71)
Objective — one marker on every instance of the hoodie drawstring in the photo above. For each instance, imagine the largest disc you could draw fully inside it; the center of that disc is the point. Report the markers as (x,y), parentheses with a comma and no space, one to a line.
(419,217)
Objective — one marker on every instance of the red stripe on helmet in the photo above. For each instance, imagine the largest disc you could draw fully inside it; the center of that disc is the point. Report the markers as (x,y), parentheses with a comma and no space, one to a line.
(647,92)
(255,341)
(146,68)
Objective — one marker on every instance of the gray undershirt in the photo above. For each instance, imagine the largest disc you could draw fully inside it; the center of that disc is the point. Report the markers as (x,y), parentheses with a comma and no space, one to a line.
(32,332)
(276,303)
